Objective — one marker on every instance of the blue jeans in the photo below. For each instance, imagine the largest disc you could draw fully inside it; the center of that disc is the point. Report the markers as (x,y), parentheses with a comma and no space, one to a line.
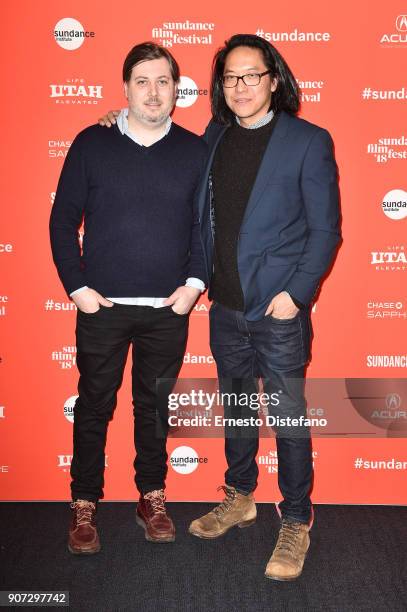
(275,350)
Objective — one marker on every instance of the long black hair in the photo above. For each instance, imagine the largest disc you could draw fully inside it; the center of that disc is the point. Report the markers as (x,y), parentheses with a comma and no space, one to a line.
(287,95)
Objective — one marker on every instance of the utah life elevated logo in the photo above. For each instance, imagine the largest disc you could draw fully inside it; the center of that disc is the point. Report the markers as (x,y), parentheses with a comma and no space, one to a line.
(392,259)
(64,462)
(75,91)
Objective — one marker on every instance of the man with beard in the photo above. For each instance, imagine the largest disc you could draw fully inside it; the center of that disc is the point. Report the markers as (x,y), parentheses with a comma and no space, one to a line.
(139,274)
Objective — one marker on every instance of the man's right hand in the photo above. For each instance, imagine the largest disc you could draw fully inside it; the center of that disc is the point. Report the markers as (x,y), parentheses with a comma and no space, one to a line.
(89,301)
(109,119)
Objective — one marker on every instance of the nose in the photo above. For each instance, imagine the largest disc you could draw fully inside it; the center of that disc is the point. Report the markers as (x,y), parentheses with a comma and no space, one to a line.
(240,86)
(153,88)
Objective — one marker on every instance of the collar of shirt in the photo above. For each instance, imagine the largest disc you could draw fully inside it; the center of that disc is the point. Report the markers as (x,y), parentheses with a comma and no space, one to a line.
(263,121)
(123,125)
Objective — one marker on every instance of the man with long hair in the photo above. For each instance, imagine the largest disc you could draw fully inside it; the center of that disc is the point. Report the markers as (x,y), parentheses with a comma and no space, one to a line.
(270,225)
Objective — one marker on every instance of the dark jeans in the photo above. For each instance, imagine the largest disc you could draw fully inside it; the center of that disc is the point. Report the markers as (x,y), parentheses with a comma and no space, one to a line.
(158,337)
(276,351)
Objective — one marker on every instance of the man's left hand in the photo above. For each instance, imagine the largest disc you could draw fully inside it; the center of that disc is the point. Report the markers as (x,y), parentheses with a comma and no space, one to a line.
(282,306)
(183,299)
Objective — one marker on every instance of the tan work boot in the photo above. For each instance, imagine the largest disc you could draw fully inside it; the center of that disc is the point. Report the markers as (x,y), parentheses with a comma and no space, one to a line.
(288,556)
(236,509)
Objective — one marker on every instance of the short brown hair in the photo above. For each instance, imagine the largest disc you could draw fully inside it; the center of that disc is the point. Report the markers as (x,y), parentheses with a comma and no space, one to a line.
(148,51)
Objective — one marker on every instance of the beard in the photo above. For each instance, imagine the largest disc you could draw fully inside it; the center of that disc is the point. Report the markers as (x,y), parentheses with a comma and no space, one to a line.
(145,117)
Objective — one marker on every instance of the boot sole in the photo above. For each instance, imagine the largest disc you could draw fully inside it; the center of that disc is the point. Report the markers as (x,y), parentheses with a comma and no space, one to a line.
(280,579)
(241,525)
(142,524)
(80,551)
(283,579)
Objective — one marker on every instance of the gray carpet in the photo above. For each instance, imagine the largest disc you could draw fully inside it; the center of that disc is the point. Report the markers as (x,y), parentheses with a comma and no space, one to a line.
(357,562)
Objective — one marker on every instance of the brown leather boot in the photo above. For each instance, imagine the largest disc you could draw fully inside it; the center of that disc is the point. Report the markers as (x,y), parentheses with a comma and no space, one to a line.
(83,535)
(288,557)
(152,516)
(236,509)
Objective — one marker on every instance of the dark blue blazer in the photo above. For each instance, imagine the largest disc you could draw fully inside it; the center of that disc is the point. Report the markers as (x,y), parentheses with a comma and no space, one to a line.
(290,229)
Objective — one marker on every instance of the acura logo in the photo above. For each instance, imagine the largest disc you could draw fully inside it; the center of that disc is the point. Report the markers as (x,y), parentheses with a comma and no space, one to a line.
(393,401)
(401,23)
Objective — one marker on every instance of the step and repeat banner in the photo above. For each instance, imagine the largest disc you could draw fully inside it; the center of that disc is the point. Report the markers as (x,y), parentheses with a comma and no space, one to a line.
(61,70)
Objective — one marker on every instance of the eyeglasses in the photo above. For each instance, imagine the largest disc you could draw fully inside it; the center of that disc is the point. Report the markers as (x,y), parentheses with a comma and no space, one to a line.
(252,79)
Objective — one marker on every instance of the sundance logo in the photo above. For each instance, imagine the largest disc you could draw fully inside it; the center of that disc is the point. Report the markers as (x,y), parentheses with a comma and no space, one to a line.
(185,460)
(395,204)
(388,149)
(188,92)
(386,361)
(294,36)
(270,461)
(69,406)
(70,34)
(65,358)
(198,359)
(310,90)
(184,33)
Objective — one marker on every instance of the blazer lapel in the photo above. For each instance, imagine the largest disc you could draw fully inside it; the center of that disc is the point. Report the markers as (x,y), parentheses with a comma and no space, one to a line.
(203,199)
(268,164)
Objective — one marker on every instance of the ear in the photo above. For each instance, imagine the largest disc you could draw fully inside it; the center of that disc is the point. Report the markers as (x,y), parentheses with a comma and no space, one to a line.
(125,88)
(274,84)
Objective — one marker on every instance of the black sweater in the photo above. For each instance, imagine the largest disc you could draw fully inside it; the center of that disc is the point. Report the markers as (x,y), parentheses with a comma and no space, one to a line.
(237,160)
(141,227)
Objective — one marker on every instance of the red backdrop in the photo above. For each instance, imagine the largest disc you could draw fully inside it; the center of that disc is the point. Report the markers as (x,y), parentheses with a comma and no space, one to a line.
(349,59)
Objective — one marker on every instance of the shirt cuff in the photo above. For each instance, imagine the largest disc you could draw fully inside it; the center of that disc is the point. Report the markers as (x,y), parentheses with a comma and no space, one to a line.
(78,290)
(196,283)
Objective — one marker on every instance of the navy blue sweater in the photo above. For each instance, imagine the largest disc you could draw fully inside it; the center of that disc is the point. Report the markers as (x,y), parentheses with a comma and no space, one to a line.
(141,224)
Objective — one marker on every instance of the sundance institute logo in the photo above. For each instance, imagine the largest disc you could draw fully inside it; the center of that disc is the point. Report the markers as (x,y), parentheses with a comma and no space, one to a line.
(185,460)
(70,34)
(69,408)
(394,204)
(188,92)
